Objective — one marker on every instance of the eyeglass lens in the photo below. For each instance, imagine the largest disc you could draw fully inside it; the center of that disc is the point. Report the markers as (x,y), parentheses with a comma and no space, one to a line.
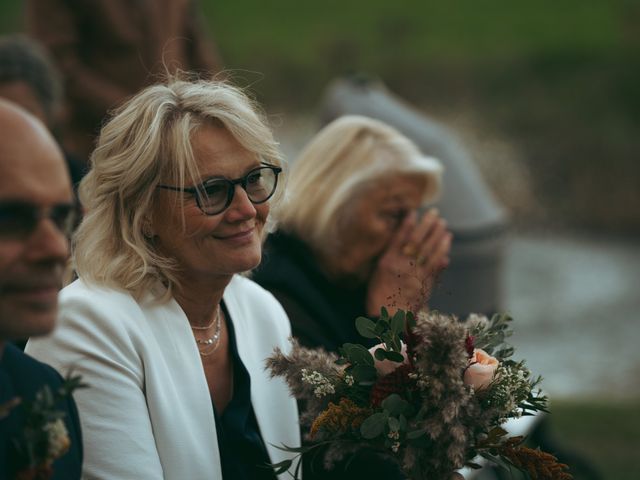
(20,219)
(217,194)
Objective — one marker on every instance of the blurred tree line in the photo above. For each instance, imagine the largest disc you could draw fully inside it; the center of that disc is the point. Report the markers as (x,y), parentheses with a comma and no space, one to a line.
(560,79)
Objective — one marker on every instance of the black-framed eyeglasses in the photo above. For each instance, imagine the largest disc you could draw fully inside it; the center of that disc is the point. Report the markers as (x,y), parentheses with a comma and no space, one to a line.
(216,194)
(19,219)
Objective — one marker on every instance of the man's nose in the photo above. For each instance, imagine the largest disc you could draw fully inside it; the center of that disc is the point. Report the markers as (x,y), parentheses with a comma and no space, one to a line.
(47,243)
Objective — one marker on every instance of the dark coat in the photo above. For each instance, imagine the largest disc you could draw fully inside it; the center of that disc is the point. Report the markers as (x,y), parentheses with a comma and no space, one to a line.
(22,376)
(322,314)
(322,311)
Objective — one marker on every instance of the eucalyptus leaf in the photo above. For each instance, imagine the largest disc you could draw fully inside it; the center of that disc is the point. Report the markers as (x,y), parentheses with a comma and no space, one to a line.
(403,422)
(363,373)
(387,338)
(395,405)
(394,356)
(357,354)
(381,327)
(373,426)
(397,322)
(366,327)
(380,354)
(394,424)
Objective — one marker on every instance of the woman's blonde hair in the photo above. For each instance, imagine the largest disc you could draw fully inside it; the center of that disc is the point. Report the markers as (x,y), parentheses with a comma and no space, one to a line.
(348,156)
(148,141)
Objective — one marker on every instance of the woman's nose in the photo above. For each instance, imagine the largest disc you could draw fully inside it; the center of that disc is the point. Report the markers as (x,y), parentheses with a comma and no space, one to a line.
(241,207)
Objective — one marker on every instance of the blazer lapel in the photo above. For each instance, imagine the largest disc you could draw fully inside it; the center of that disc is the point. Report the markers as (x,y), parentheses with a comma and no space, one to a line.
(276,411)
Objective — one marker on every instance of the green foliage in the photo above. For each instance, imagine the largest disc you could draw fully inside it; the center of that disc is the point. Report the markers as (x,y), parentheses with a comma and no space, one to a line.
(374,425)
(491,337)
(33,443)
(360,362)
(412,409)
(604,431)
(395,405)
(524,68)
(388,330)
(366,327)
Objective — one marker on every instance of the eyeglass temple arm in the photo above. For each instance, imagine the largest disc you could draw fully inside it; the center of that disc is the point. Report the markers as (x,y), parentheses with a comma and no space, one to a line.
(178,189)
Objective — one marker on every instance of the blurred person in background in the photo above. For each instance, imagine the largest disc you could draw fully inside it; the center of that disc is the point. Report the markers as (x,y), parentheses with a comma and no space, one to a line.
(107,50)
(351,240)
(29,78)
(170,338)
(36,214)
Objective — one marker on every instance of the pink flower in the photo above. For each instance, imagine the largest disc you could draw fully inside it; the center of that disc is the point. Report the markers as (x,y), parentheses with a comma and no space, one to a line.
(385,367)
(481,369)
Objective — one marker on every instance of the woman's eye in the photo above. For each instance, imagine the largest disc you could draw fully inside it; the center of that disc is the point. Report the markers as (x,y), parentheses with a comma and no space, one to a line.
(215,189)
(394,216)
(254,178)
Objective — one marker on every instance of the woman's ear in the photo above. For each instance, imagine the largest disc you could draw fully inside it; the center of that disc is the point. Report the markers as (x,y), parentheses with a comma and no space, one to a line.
(147,230)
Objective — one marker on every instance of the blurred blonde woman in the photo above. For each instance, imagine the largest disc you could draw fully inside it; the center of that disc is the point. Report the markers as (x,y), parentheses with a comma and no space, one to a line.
(351,238)
(170,339)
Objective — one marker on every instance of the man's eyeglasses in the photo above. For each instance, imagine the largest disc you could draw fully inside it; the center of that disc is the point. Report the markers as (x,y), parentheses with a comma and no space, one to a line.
(20,219)
(216,194)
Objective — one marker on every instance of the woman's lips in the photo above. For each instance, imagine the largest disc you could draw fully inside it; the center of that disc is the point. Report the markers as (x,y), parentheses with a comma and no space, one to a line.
(242,237)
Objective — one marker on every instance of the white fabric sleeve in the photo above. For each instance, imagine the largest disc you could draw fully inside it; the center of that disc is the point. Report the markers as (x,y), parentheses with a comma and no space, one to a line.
(90,340)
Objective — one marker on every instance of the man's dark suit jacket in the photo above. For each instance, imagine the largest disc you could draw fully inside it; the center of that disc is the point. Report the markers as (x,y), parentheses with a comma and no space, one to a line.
(22,376)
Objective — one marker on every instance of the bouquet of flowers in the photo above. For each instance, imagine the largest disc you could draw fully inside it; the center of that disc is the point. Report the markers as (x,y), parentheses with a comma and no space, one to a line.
(432,396)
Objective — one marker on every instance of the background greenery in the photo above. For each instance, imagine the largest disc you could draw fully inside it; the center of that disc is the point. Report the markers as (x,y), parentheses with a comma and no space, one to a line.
(560,80)
(605,433)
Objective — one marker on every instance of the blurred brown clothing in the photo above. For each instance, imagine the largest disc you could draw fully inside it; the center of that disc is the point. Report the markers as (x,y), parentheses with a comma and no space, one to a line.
(108,50)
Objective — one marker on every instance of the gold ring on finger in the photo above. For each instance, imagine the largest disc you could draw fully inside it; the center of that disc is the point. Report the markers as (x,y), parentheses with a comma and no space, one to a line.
(409,250)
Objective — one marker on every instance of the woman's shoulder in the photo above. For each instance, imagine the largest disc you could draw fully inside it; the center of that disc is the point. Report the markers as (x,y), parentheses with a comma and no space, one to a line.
(93,321)
(79,289)
(112,309)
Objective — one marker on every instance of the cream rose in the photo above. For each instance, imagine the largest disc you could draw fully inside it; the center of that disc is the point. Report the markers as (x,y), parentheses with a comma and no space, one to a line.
(481,369)
(385,367)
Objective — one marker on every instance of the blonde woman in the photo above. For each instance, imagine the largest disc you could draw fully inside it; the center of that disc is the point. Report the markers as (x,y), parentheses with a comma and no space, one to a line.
(350,238)
(170,339)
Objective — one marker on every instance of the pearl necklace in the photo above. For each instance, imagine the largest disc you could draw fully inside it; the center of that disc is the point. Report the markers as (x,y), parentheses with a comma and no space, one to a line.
(209,345)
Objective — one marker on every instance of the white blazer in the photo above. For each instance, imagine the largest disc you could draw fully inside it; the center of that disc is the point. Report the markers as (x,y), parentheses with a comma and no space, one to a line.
(148,412)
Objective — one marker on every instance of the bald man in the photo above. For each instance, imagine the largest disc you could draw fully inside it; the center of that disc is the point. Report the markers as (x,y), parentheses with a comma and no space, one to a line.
(36,214)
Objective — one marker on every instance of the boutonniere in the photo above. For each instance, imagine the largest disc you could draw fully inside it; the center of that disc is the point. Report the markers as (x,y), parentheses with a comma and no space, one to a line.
(44,436)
